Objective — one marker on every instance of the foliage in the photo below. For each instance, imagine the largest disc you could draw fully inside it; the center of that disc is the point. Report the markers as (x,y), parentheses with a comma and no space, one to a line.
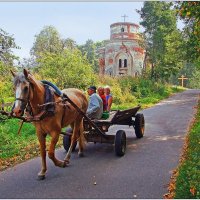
(89,49)
(5,81)
(48,40)
(7,42)
(187,182)
(189,12)
(163,39)
(69,43)
(129,92)
(67,69)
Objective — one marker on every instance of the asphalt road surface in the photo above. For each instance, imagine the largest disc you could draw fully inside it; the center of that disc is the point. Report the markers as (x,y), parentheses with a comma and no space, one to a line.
(143,172)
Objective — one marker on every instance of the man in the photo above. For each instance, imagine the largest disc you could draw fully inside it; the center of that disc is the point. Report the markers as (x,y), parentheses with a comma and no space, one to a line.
(95,107)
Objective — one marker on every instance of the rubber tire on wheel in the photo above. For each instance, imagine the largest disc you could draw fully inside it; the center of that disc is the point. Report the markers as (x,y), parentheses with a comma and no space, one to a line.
(120,143)
(139,125)
(67,142)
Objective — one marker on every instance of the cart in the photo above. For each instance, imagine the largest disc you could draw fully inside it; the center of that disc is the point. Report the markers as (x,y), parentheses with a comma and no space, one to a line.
(96,130)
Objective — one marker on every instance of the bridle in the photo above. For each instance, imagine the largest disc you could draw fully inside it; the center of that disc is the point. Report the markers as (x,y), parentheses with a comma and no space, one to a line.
(25,102)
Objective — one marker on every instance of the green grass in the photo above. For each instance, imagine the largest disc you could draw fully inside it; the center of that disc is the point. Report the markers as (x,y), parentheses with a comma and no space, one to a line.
(188,179)
(10,141)
(15,148)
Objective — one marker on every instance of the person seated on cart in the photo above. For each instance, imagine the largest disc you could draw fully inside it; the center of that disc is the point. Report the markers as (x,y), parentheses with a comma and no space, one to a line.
(103,97)
(95,107)
(109,98)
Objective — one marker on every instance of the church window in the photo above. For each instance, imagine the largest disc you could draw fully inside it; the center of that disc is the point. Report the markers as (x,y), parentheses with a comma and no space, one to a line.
(125,62)
(120,63)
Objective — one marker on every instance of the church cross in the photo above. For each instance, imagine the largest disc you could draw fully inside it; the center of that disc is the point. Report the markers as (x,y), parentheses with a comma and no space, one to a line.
(124,16)
(182,78)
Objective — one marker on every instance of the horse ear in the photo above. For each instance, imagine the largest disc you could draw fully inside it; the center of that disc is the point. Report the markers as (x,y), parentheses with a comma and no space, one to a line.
(29,76)
(13,73)
(26,73)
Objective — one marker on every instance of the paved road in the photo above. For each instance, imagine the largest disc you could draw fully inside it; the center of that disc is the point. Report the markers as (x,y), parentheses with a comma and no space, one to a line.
(143,172)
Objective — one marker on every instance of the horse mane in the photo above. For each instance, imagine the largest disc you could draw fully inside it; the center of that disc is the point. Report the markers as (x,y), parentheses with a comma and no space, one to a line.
(19,78)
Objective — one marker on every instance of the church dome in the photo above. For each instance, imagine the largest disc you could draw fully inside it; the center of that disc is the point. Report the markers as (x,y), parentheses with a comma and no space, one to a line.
(124,30)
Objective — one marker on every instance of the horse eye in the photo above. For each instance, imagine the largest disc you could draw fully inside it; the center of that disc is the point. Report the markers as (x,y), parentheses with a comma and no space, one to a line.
(26,89)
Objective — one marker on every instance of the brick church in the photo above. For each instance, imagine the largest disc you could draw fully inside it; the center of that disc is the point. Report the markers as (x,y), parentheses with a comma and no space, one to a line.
(122,54)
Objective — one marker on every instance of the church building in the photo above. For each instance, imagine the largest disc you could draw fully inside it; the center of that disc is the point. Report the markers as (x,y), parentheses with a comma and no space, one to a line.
(122,54)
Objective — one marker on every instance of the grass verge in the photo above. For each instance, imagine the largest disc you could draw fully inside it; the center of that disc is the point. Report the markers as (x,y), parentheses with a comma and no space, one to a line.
(185,182)
(16,148)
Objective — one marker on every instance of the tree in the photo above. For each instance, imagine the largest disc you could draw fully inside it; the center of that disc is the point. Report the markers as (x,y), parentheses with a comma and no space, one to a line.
(69,44)
(5,81)
(89,50)
(67,69)
(48,40)
(189,12)
(7,42)
(163,39)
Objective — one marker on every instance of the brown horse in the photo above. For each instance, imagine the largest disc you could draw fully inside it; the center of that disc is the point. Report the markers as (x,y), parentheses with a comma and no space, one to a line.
(30,91)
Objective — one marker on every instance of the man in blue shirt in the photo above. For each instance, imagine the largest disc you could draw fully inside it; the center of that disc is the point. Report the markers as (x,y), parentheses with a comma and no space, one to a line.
(95,107)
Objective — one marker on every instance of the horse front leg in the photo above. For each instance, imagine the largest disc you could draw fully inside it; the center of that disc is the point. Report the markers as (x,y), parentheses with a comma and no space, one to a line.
(51,153)
(42,142)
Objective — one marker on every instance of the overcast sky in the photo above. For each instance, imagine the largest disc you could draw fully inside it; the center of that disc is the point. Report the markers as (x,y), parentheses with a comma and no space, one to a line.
(77,20)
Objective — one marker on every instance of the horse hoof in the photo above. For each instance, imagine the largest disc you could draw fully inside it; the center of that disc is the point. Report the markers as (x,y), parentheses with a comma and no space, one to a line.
(41,177)
(80,154)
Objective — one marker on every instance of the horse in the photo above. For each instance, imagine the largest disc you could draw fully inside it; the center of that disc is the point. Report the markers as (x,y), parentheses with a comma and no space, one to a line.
(30,92)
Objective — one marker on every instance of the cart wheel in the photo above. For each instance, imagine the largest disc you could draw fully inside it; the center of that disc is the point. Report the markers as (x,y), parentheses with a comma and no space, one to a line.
(139,125)
(67,142)
(120,143)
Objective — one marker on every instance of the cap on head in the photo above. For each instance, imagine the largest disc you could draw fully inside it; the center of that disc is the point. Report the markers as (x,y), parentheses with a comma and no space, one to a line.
(93,88)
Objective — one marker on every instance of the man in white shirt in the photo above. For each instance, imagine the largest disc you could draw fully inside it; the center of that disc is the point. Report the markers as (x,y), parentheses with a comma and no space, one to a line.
(95,107)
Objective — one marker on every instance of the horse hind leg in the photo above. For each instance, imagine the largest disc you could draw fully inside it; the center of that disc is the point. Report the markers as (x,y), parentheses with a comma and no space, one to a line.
(81,140)
(74,138)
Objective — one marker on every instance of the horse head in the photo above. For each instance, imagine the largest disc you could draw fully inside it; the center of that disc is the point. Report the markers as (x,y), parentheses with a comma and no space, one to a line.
(21,88)
(23,82)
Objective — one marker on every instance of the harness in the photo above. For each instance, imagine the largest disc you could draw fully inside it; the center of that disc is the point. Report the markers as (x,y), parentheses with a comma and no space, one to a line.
(48,108)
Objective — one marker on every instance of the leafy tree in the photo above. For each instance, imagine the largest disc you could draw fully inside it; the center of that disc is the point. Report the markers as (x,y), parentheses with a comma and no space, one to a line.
(69,44)
(163,39)
(5,81)
(189,12)
(7,42)
(89,50)
(67,69)
(48,40)
(27,63)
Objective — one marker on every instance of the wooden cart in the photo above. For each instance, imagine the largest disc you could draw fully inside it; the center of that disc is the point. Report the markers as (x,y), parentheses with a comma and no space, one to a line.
(96,130)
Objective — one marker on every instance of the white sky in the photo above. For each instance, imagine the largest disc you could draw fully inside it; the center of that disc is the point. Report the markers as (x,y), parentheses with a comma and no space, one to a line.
(77,20)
